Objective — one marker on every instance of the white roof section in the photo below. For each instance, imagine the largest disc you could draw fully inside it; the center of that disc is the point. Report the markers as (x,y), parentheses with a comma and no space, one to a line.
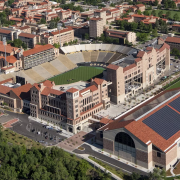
(97,47)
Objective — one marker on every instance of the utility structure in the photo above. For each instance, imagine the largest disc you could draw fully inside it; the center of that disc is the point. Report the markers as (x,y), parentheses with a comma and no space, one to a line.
(4,43)
(59,28)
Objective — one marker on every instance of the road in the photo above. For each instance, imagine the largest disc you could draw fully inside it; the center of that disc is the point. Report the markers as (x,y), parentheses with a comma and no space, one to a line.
(124,167)
(25,127)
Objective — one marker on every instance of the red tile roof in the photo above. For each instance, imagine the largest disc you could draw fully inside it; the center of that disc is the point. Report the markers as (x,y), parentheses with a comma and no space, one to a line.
(6,80)
(23,92)
(16,19)
(140,54)
(9,48)
(48,83)
(3,31)
(112,66)
(46,91)
(98,81)
(27,35)
(95,19)
(173,40)
(116,125)
(91,88)
(176,25)
(72,90)
(4,89)
(106,120)
(37,50)
(11,59)
(62,31)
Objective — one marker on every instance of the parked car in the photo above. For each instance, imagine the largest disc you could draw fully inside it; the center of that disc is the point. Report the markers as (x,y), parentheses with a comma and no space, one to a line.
(39,132)
(176,66)
(46,137)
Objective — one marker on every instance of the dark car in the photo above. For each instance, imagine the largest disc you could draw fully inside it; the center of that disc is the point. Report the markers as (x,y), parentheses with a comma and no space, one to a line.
(45,132)
(59,131)
(51,138)
(33,130)
(46,137)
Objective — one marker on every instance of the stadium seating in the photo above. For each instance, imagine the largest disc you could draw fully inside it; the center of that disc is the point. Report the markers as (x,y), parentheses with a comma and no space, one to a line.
(42,72)
(66,61)
(107,57)
(94,56)
(101,56)
(114,58)
(59,65)
(34,75)
(76,58)
(50,68)
(87,56)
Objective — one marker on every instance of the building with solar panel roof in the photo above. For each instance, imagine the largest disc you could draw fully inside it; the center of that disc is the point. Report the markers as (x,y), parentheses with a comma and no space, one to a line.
(149,135)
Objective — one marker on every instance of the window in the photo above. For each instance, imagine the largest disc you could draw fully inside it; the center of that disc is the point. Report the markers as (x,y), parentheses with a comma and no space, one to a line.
(158,154)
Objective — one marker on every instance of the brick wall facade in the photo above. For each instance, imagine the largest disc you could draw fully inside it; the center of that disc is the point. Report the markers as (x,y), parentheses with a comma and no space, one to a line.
(108,144)
(159,160)
(141,156)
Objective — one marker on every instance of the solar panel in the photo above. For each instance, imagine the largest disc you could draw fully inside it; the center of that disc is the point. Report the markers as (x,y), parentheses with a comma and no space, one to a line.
(165,122)
(176,104)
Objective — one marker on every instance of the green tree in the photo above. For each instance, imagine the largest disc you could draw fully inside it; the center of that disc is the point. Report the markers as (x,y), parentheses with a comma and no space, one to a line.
(42,21)
(141,26)
(155,2)
(86,36)
(159,6)
(135,176)
(17,43)
(176,17)
(154,32)
(157,174)
(146,13)
(24,45)
(139,12)
(153,13)
(168,14)
(160,14)
(52,25)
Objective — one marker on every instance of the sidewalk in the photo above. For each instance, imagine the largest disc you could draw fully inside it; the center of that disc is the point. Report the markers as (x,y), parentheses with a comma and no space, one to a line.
(85,156)
(64,132)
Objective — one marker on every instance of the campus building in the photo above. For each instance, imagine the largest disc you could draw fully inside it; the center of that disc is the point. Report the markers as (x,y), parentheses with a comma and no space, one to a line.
(95,27)
(69,109)
(38,55)
(147,136)
(137,71)
(173,42)
(121,35)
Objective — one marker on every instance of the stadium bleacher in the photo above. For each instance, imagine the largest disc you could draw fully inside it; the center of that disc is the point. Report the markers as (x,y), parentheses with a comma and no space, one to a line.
(42,72)
(59,65)
(87,56)
(76,57)
(101,56)
(50,68)
(34,75)
(94,55)
(107,57)
(66,61)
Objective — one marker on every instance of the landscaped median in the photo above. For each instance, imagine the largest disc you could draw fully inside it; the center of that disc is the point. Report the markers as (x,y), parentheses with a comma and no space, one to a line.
(173,84)
(115,171)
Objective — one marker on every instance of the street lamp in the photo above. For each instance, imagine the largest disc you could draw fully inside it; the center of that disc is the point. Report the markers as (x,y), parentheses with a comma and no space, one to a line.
(4,43)
(59,28)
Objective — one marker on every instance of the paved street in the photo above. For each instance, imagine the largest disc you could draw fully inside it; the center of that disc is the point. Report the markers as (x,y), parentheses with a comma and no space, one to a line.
(124,167)
(25,127)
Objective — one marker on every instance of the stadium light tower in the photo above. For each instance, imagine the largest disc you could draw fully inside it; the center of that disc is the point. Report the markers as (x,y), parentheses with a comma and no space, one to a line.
(59,28)
(4,43)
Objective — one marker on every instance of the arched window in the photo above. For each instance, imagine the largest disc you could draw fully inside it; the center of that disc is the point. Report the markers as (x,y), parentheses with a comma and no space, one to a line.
(125,139)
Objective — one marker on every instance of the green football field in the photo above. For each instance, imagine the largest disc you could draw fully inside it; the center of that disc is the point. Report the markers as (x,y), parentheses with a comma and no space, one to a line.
(82,73)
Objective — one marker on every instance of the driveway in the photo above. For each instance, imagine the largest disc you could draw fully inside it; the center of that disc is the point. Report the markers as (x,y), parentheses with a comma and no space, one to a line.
(124,167)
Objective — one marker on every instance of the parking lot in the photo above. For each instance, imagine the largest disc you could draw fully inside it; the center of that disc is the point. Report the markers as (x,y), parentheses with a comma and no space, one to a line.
(30,129)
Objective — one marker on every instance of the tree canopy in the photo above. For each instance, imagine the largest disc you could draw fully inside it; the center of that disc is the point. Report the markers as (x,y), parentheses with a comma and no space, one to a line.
(17,162)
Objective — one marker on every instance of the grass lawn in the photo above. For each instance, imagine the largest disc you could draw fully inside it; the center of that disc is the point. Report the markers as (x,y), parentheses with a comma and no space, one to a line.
(164,12)
(18,139)
(83,73)
(176,85)
(115,171)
